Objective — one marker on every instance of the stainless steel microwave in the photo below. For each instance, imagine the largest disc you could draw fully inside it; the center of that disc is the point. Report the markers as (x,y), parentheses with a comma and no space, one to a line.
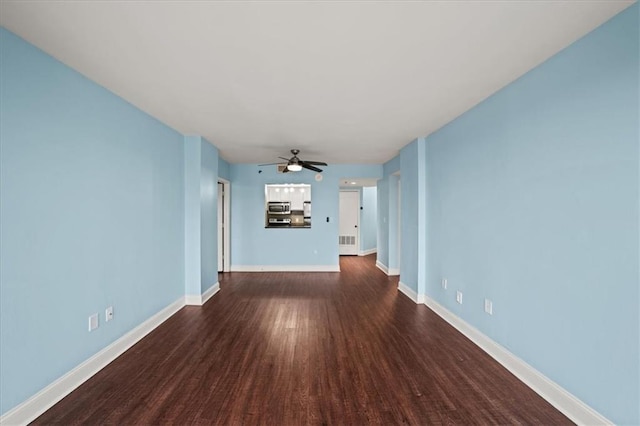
(279,207)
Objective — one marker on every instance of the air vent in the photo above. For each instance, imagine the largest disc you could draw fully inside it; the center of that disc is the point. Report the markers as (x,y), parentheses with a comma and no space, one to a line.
(281,167)
(347,240)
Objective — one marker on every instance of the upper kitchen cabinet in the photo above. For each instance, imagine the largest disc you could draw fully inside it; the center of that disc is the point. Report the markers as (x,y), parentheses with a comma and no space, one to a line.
(274,193)
(298,197)
(296,194)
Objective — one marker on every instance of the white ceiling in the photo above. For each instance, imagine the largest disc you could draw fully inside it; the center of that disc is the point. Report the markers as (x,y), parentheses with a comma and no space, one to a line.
(345,82)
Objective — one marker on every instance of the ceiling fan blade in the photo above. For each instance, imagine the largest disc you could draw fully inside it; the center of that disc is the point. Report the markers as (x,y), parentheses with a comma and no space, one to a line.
(316,163)
(285,159)
(269,164)
(310,167)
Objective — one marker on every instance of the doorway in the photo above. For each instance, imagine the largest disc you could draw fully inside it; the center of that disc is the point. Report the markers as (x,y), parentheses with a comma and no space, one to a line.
(223,225)
(349,217)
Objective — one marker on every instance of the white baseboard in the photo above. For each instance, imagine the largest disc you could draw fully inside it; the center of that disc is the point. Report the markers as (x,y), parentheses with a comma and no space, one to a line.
(367,252)
(386,270)
(50,395)
(565,402)
(382,267)
(285,268)
(408,291)
(210,292)
(201,299)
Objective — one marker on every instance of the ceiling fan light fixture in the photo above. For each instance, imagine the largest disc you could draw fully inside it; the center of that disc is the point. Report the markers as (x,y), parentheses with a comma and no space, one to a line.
(294,167)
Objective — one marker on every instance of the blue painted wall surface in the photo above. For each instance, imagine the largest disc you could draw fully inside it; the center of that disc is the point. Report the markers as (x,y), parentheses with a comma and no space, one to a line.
(393,222)
(368,220)
(192,213)
(208,215)
(223,169)
(91,212)
(382,255)
(388,214)
(409,193)
(252,244)
(533,203)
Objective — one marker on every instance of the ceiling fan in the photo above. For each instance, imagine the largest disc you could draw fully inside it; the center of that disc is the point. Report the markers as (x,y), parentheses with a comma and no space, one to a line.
(294,164)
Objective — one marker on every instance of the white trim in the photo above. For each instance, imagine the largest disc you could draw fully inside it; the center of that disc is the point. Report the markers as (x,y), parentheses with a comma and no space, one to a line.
(576,410)
(226,242)
(33,407)
(367,252)
(386,270)
(285,268)
(201,299)
(408,291)
(382,267)
(210,292)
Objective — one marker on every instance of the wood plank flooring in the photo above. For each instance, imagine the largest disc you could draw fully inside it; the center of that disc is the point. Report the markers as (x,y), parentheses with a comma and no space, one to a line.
(305,349)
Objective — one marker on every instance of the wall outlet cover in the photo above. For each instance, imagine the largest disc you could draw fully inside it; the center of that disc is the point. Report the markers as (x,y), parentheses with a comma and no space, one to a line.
(459,297)
(488,306)
(93,322)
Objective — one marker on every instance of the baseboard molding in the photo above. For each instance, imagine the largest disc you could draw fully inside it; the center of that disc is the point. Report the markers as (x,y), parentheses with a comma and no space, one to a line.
(201,299)
(210,292)
(389,271)
(408,291)
(382,267)
(50,395)
(285,268)
(560,398)
(367,252)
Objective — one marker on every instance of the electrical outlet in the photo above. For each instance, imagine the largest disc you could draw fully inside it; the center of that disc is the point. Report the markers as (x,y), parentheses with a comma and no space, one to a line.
(459,297)
(444,283)
(93,322)
(108,314)
(488,306)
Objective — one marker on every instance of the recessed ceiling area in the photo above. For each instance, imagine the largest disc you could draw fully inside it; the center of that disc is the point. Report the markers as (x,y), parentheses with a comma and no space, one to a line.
(345,82)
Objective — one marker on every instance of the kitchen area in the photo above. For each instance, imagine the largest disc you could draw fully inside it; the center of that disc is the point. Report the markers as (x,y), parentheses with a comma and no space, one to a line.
(287,205)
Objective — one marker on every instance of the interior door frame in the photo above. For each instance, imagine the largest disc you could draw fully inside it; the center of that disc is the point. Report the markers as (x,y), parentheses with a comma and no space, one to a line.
(359,193)
(226,228)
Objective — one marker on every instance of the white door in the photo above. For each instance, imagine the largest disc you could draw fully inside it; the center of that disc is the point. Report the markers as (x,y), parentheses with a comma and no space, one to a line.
(220,227)
(349,217)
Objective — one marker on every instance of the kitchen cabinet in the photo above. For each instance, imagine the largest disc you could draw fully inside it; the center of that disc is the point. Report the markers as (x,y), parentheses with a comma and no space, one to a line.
(275,194)
(297,198)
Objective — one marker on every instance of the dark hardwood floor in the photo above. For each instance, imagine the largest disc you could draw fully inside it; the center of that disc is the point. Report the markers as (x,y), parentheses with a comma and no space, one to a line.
(305,348)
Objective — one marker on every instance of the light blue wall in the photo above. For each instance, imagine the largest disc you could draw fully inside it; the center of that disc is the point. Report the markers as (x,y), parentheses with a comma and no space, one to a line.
(382,254)
(533,202)
(201,215)
(393,221)
(208,216)
(223,169)
(409,163)
(252,244)
(368,219)
(91,213)
(192,212)
(387,253)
